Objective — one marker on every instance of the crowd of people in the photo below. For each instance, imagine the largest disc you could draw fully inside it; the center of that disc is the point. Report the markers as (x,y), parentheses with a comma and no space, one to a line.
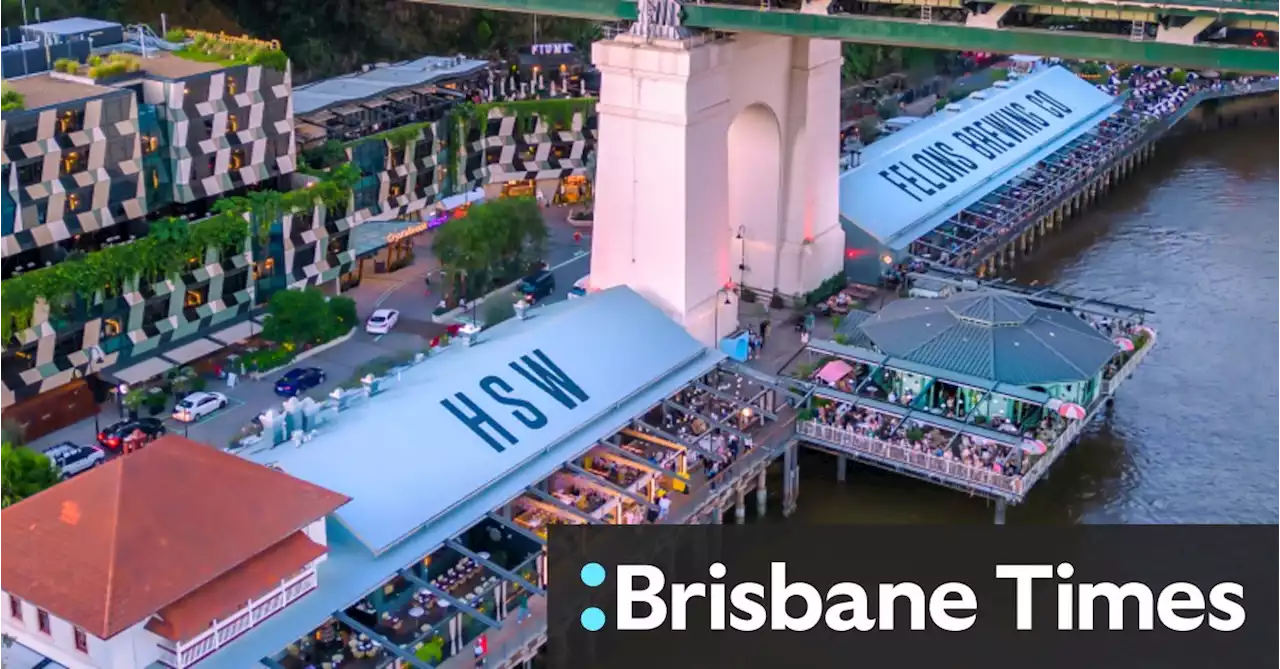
(915,437)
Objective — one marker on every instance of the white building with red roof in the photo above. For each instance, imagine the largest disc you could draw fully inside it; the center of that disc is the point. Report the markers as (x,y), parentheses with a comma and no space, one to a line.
(160,557)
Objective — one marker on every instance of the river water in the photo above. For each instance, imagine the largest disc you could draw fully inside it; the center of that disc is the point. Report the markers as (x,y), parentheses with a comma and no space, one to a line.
(1192,437)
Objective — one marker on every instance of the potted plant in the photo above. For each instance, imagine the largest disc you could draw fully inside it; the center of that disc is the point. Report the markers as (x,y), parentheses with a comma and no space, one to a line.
(134,401)
(155,401)
(915,435)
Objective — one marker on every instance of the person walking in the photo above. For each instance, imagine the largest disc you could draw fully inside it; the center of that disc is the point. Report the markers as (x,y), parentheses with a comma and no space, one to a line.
(764,332)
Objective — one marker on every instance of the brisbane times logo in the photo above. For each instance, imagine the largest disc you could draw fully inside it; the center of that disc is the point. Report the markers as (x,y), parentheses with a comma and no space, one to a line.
(646,600)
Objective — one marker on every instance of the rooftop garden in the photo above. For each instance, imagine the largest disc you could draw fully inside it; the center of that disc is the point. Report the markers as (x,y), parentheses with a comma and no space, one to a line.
(228,50)
(555,112)
(11,100)
(98,67)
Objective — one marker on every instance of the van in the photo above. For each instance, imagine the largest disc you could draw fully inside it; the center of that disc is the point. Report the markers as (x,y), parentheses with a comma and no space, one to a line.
(537,286)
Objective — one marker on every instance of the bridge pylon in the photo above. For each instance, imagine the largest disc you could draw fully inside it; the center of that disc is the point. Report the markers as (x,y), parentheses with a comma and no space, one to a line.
(717,167)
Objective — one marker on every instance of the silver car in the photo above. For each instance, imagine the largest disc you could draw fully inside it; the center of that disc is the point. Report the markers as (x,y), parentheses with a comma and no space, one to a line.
(72,459)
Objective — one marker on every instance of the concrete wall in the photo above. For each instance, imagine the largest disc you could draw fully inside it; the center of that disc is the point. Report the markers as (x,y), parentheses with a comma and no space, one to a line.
(716,167)
(130,649)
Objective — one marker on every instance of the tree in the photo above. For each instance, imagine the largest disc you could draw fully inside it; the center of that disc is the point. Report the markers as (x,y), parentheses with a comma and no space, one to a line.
(25,472)
(297,318)
(497,241)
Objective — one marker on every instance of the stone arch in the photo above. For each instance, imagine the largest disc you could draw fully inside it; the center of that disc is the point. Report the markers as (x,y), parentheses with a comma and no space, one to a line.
(755,194)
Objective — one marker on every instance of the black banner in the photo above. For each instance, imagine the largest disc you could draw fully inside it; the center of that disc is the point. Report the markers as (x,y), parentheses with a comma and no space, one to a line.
(800,596)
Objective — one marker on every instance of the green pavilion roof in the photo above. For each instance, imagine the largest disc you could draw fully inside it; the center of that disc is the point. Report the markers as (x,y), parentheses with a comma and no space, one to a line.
(991,336)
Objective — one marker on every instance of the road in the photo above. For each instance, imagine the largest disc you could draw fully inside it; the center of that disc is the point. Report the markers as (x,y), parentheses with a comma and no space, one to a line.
(403,290)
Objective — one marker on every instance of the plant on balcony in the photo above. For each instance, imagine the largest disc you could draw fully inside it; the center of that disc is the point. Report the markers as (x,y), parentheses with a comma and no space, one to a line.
(915,435)
(403,136)
(11,100)
(163,253)
(24,472)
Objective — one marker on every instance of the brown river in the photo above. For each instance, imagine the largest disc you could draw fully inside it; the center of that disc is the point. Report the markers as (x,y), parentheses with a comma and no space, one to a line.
(1192,437)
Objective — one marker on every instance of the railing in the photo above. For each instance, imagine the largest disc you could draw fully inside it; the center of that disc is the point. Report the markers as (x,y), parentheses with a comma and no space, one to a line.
(1110,385)
(510,645)
(976,478)
(767,447)
(223,632)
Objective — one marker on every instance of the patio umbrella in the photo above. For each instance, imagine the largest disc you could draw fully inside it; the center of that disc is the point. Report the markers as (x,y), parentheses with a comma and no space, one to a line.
(1034,446)
(1124,343)
(1073,411)
(833,371)
(1145,329)
(1053,404)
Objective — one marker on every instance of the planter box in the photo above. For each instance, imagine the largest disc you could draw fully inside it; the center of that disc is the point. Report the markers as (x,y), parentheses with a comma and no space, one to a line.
(304,355)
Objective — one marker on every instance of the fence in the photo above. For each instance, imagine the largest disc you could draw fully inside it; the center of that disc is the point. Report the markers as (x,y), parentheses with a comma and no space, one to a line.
(976,478)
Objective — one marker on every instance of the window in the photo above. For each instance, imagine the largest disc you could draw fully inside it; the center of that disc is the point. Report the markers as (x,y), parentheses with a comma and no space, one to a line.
(233,121)
(196,297)
(237,159)
(15,607)
(150,143)
(42,619)
(235,283)
(231,85)
(73,202)
(70,121)
(82,641)
(30,173)
(72,162)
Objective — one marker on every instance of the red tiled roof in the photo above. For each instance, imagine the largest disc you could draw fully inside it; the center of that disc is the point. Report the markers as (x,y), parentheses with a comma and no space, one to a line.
(230,592)
(111,547)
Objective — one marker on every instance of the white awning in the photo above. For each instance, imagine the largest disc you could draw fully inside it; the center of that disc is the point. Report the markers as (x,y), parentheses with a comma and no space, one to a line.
(237,333)
(143,371)
(196,349)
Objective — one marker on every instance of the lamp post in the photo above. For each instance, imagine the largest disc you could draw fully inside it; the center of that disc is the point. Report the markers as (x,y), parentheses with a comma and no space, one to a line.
(725,292)
(742,263)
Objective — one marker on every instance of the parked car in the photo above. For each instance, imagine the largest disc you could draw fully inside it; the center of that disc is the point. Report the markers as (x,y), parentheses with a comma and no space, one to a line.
(537,286)
(382,321)
(299,380)
(195,406)
(113,436)
(71,459)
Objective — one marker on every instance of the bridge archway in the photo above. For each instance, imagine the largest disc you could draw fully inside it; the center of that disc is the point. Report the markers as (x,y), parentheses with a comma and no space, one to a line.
(754,169)
(700,137)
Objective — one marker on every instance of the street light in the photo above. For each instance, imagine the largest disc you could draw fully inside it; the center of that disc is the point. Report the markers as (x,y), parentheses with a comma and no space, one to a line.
(742,264)
(725,292)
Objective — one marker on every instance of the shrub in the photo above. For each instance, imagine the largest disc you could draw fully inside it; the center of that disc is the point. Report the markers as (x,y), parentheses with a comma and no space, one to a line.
(11,100)
(747,295)
(66,65)
(776,302)
(941,103)
(272,58)
(887,109)
(177,35)
(1178,77)
(265,359)
(95,60)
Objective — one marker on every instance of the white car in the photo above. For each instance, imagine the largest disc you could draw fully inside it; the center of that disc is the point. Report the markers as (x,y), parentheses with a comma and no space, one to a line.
(195,406)
(382,321)
(71,459)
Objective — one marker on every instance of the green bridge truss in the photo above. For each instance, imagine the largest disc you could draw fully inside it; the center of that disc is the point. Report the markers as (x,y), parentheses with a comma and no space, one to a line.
(868,29)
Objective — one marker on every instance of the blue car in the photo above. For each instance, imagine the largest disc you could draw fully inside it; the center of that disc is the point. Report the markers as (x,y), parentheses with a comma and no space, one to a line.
(299,380)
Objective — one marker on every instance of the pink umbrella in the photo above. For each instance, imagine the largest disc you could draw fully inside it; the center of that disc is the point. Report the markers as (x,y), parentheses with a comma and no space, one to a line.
(833,371)
(1034,446)
(1124,343)
(1073,411)
(1145,329)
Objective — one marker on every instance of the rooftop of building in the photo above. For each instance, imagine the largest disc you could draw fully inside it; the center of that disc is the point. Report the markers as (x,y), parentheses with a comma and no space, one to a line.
(177,66)
(71,26)
(935,168)
(42,90)
(108,549)
(380,79)
(620,351)
(985,335)
(573,363)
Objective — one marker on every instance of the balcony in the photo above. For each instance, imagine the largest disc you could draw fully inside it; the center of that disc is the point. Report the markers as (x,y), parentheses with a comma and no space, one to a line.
(223,632)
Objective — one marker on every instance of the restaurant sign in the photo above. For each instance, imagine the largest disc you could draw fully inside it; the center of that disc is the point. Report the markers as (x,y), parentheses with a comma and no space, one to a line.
(557,49)
(408,232)
(925,173)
